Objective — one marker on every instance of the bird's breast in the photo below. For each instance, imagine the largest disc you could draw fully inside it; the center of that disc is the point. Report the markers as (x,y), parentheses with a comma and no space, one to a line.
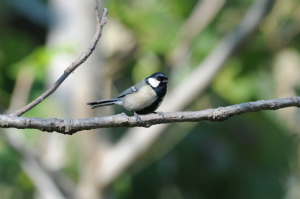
(139,100)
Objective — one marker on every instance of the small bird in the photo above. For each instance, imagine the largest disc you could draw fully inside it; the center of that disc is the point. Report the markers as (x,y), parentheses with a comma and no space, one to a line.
(142,98)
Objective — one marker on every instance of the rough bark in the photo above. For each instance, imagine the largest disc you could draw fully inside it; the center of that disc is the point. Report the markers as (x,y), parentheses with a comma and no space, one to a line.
(70,126)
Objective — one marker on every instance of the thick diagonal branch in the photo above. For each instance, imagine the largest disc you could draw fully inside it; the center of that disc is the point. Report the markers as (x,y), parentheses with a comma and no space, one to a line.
(74,65)
(70,126)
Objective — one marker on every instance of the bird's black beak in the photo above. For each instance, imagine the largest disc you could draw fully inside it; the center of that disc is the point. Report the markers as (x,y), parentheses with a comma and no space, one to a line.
(165,81)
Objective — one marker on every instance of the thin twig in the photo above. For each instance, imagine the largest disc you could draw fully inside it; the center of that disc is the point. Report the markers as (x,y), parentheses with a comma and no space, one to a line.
(74,65)
(70,126)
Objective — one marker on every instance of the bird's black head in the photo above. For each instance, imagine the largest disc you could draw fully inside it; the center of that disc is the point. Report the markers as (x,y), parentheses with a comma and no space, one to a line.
(157,79)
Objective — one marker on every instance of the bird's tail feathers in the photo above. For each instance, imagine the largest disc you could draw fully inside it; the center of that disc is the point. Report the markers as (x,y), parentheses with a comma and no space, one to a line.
(108,102)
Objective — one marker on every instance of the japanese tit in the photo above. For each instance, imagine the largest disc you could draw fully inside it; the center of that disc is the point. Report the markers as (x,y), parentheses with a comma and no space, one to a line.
(142,98)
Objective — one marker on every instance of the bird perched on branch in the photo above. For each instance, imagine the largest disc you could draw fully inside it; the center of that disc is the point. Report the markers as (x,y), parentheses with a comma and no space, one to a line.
(142,98)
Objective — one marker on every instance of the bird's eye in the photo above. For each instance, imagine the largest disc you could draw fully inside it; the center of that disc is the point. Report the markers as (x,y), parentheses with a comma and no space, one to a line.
(160,79)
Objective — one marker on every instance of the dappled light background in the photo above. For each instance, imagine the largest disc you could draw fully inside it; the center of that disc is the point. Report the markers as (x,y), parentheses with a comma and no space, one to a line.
(250,156)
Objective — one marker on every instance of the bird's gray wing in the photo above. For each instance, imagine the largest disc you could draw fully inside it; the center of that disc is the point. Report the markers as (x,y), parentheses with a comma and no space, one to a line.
(132,89)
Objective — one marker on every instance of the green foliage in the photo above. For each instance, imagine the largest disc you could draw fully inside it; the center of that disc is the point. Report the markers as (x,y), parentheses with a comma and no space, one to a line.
(147,64)
(233,86)
(13,178)
(122,186)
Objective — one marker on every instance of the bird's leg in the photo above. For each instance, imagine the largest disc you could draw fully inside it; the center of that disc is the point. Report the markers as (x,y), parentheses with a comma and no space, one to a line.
(160,113)
(137,117)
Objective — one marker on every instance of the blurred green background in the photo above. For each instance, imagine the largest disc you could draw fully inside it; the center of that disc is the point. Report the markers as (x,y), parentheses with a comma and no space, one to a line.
(252,156)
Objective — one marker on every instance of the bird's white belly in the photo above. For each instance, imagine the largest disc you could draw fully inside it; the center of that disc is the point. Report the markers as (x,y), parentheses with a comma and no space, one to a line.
(139,100)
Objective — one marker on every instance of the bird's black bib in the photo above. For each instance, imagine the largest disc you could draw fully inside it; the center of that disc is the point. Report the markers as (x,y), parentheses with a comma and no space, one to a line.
(161,92)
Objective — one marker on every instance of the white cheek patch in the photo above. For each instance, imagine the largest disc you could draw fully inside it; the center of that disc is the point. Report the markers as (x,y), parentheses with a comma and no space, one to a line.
(153,82)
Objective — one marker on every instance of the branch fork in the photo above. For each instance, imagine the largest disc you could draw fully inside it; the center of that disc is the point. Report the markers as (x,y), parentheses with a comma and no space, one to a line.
(83,57)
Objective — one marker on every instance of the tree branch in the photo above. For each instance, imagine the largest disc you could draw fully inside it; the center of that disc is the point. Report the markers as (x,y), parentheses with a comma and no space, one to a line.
(74,65)
(70,126)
